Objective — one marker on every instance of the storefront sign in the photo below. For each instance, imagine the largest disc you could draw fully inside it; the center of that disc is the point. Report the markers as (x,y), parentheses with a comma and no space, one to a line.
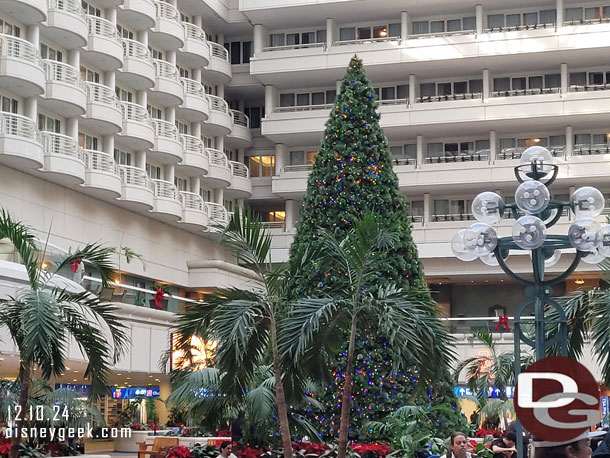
(134,393)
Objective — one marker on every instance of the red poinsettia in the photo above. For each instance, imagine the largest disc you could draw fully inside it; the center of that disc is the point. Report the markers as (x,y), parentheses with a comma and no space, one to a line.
(380,450)
(223,433)
(249,452)
(310,448)
(482,432)
(180,451)
(5,446)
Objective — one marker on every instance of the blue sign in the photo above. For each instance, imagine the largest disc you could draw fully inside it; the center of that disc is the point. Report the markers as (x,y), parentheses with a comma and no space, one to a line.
(85,390)
(134,393)
(492,392)
(604,406)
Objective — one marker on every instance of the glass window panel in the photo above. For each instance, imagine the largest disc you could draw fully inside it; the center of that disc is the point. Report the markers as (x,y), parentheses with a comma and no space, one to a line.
(297,157)
(535,82)
(255,118)
(416,208)
(454,25)
(524,142)
(553,80)
(317,98)
(501,84)
(596,78)
(435,149)
(376,91)
(513,20)
(582,139)
(475,86)
(437,26)
(606,11)
(235,52)
(396,151)
(310,157)
(321,36)
(292,39)
(246,52)
(380,31)
(573,14)
(507,143)
(268,165)
(286,100)
(599,139)
(518,83)
(364,33)
(302,99)
(394,30)
(308,37)
(388,93)
(420,27)
(441,207)
(592,13)
(495,21)
(427,89)
(469,23)
(277,39)
(548,16)
(451,149)
(457,207)
(530,18)
(411,151)
(254,166)
(557,140)
(460,87)
(467,147)
(347,33)
(579,79)
(444,88)
(481,144)
(402,91)
(331,96)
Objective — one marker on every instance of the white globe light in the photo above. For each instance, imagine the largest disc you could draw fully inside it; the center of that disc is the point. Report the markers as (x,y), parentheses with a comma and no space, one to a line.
(460,249)
(489,259)
(537,154)
(594,257)
(481,238)
(604,240)
(488,207)
(532,197)
(587,201)
(584,234)
(529,232)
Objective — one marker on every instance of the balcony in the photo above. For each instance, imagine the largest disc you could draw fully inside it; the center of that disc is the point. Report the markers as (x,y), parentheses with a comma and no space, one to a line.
(21,67)
(20,147)
(168,89)
(167,148)
(219,175)
(195,107)
(168,28)
(218,71)
(138,71)
(220,122)
(138,132)
(217,215)
(196,52)
(240,136)
(103,109)
(104,46)
(195,160)
(194,211)
(65,91)
(166,206)
(241,186)
(26,11)
(137,192)
(102,179)
(66,23)
(64,161)
(140,14)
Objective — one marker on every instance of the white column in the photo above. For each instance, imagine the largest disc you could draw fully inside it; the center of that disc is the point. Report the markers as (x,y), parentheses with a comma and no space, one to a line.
(486,84)
(493,146)
(427,206)
(559,9)
(74,59)
(110,79)
(171,57)
(240,155)
(420,151)
(331,32)
(196,74)
(281,157)
(72,128)
(142,36)
(404,26)
(31,109)
(111,15)
(289,208)
(33,35)
(219,196)
(108,144)
(220,91)
(221,39)
(479,19)
(271,99)
(338,86)
(569,150)
(170,114)
(564,80)
(260,38)
(141,160)
(413,89)
(195,184)
(240,204)
(196,129)
(220,143)
(142,98)
(197,21)
(241,105)
(170,173)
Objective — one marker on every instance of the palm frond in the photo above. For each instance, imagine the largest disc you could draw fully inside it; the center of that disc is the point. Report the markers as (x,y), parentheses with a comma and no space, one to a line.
(21,236)
(98,256)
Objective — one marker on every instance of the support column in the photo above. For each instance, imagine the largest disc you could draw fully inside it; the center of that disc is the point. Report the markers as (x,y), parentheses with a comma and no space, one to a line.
(404,26)
(338,86)
(33,35)
(171,57)
(74,59)
(220,91)
(281,158)
(427,207)
(110,79)
(480,19)
(72,128)
(220,143)
(241,105)
(271,99)
(486,85)
(197,21)
(142,98)
(111,15)
(196,129)
(420,151)
(240,204)
(493,146)
(564,80)
(219,196)
(142,37)
(141,160)
(195,184)
(170,114)
(571,212)
(31,109)
(197,74)
(569,150)
(559,9)
(240,155)
(289,208)
(108,144)
(259,39)
(413,89)
(331,32)
(169,173)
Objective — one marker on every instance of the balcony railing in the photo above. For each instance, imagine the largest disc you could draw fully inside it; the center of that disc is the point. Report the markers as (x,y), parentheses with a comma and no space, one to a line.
(101,94)
(192,87)
(218,158)
(520,27)
(392,102)
(326,106)
(240,118)
(167,11)
(133,48)
(164,189)
(404,161)
(442,34)
(192,144)
(464,156)
(134,112)
(62,73)
(365,41)
(449,97)
(511,153)
(219,51)
(584,150)
(61,145)
(67,6)
(165,129)
(519,92)
(239,170)
(134,176)
(273,224)
(589,87)
(21,126)
(600,20)
(100,161)
(19,49)
(298,168)
(194,32)
(299,46)
(217,213)
(166,69)
(452,217)
(103,28)
(192,201)
(218,104)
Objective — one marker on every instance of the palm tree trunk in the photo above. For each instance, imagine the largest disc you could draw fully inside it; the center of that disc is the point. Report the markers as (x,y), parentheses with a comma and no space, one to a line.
(23,402)
(280,398)
(347,392)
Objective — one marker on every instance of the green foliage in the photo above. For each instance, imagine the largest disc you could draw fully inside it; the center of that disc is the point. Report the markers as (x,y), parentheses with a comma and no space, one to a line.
(26,450)
(204,451)
(151,411)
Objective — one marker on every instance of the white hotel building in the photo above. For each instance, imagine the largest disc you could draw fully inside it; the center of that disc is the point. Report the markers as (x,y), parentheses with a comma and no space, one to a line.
(140,123)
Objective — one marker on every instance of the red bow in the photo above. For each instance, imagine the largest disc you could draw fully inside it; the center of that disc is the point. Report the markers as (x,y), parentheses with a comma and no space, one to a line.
(158,298)
(503,321)
(75,264)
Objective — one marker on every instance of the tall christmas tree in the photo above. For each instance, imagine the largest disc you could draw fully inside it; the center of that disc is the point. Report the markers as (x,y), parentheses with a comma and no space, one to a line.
(353,174)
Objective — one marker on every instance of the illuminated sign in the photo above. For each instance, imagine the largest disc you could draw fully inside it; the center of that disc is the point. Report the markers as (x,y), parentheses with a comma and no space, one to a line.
(492,392)
(202,353)
(137,392)
(84,390)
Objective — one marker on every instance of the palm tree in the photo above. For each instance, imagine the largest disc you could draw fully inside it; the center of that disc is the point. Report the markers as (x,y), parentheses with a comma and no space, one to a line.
(416,336)
(42,318)
(244,322)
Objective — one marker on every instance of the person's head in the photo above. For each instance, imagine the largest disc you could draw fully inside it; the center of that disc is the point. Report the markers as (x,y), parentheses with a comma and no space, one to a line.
(576,449)
(226,448)
(458,445)
(510,439)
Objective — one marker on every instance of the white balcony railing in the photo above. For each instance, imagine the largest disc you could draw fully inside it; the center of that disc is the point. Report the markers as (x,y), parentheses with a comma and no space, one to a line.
(167,11)
(134,112)
(166,69)
(99,161)
(194,32)
(298,168)
(219,51)
(164,189)
(192,201)
(67,6)
(134,176)
(326,106)
(217,213)
(192,87)
(19,49)
(192,144)
(20,126)
(240,118)
(103,28)
(133,48)
(101,94)
(61,145)
(218,158)
(218,104)
(365,41)
(299,46)
(165,129)
(239,170)
(62,73)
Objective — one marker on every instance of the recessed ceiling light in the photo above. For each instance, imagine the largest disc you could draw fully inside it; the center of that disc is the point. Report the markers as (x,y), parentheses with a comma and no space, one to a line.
(67,368)
(1,359)
(150,376)
(128,378)
(76,372)
(74,380)
(119,374)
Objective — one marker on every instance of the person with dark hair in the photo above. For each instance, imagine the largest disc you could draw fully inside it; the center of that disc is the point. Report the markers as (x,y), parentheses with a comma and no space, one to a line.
(504,447)
(575,448)
(458,446)
(226,449)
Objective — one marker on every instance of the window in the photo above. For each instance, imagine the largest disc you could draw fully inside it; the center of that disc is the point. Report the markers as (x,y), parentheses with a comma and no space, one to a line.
(441,207)
(91,10)
(9,29)
(427,89)
(261,166)
(47,52)
(205,195)
(9,105)
(596,78)
(454,25)
(548,16)
(87,141)
(416,209)
(123,94)
(228,204)
(530,18)
(475,86)
(124,32)
(551,81)
(435,149)
(254,114)
(495,21)
(183,128)
(48,124)
(246,52)
(292,39)
(578,79)
(557,140)
(89,75)
(592,13)
(317,98)
(347,33)
(573,14)
(235,52)
(208,142)
(184,72)
(181,183)
(153,171)
(331,96)
(501,84)
(122,157)
(481,145)
(402,91)
(275,216)
(469,23)
(155,53)
(388,93)
(507,143)
(154,112)
(287,100)
(518,83)
(302,99)
(460,87)
(437,26)
(297,157)
(513,20)
(421,27)
(276,39)
(443,89)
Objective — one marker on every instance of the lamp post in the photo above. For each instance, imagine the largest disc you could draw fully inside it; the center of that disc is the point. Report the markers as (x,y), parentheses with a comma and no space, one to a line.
(535,212)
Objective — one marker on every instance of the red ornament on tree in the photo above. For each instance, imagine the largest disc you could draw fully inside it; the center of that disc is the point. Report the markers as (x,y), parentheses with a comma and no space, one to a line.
(75,264)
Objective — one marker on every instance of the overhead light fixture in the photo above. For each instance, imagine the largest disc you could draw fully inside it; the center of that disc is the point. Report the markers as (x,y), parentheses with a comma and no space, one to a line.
(580,281)
(383,33)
